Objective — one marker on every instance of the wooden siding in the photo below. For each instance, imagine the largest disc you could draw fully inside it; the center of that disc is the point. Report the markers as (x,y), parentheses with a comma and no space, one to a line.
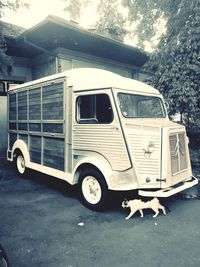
(23,126)
(35,104)
(13,126)
(35,149)
(35,127)
(52,102)
(22,106)
(36,116)
(54,153)
(12,107)
(12,139)
(24,137)
(53,127)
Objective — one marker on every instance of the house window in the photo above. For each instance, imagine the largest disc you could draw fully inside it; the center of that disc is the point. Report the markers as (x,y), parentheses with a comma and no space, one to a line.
(94,109)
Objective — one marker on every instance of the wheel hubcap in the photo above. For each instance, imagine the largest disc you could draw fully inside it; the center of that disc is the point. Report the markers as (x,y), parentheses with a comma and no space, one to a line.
(91,189)
(20,164)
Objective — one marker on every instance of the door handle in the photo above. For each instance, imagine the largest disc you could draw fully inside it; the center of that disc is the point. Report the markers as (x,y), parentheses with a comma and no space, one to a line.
(115,128)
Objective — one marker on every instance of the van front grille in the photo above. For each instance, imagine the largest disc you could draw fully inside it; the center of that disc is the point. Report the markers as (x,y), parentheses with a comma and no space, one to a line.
(177,152)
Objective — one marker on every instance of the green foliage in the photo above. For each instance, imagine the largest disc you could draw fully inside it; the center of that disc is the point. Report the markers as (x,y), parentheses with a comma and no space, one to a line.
(144,17)
(111,22)
(4,59)
(176,63)
(75,8)
(175,66)
(5,5)
(12,4)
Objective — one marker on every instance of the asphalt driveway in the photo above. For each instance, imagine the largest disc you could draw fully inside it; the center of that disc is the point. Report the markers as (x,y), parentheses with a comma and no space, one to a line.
(43,224)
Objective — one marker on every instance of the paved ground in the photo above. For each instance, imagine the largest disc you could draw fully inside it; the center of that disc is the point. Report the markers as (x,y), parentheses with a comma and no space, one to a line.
(40,227)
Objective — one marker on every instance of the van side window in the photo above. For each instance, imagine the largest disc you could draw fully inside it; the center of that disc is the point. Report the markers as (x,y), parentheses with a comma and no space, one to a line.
(94,109)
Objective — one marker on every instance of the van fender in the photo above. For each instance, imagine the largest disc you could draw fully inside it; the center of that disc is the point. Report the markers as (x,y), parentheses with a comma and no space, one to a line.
(22,146)
(99,162)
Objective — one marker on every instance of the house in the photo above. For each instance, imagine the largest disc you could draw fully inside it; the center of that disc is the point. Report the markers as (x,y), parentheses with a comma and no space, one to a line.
(55,45)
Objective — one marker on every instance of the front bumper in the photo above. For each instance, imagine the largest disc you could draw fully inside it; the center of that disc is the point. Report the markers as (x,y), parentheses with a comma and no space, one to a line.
(167,192)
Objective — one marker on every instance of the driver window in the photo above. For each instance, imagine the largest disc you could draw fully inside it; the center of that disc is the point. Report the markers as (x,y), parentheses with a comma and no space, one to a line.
(94,109)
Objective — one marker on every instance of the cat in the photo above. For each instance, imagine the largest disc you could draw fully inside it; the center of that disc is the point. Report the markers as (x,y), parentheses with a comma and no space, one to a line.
(138,204)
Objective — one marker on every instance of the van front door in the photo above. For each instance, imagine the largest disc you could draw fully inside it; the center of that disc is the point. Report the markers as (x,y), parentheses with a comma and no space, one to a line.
(97,128)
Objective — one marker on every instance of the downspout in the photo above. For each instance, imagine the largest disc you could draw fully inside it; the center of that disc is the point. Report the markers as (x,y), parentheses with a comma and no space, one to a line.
(45,51)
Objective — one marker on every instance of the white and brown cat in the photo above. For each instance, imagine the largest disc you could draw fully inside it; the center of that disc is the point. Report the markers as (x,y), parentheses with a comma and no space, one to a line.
(139,205)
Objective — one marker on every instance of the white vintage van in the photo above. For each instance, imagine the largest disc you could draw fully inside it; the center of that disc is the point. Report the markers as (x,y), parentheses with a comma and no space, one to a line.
(102,131)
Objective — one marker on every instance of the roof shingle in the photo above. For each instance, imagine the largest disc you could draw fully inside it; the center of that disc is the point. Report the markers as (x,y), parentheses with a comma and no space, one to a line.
(11,30)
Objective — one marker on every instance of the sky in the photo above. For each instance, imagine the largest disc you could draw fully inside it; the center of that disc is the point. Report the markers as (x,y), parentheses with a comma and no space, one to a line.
(40,9)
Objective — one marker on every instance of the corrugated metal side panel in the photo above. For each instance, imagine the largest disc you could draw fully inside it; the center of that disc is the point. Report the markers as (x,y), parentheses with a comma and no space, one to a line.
(103,139)
(138,136)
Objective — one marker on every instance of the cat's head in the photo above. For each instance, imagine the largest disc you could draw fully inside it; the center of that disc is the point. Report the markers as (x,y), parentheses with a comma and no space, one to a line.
(125,203)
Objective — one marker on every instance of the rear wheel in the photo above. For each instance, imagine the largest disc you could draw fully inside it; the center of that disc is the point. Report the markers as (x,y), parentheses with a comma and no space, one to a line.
(20,164)
(94,190)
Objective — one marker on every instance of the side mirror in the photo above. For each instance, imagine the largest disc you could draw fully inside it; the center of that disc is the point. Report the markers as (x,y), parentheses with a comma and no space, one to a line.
(167,105)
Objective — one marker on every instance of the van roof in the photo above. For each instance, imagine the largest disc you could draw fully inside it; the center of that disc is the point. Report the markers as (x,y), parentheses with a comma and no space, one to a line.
(92,78)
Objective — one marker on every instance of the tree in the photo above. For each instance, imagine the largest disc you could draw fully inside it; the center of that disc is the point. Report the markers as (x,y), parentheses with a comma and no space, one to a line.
(4,59)
(172,28)
(177,60)
(145,20)
(8,4)
(111,22)
(5,5)
(75,8)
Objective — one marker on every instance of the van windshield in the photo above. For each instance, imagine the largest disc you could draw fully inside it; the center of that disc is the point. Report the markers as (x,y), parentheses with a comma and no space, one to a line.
(140,106)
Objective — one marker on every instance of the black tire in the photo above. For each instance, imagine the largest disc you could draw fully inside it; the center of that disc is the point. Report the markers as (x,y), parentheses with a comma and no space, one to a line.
(93,189)
(3,258)
(20,164)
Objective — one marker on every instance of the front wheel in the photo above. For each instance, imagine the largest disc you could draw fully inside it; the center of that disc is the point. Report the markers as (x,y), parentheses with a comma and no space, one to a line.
(94,190)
